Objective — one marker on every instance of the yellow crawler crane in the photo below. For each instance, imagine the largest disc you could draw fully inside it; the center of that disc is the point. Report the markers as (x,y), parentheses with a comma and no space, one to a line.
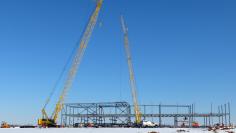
(46,121)
(137,112)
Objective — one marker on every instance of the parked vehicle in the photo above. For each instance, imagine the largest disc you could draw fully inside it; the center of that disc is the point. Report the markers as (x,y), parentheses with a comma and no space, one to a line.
(5,125)
(149,124)
(195,124)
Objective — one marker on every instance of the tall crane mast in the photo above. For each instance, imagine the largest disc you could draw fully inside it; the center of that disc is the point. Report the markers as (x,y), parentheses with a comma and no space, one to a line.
(46,121)
(131,73)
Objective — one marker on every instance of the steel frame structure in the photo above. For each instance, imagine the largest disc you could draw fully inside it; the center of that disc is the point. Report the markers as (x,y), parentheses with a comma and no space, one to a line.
(110,114)
(102,114)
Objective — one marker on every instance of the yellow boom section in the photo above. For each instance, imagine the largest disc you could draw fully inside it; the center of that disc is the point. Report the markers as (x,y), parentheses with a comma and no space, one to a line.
(77,59)
(131,73)
(51,122)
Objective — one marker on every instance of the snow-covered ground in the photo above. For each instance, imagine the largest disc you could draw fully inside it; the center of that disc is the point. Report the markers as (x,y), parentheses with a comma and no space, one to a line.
(105,130)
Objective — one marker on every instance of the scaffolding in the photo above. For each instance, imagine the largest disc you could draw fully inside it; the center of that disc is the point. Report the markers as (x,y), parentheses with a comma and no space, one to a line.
(110,114)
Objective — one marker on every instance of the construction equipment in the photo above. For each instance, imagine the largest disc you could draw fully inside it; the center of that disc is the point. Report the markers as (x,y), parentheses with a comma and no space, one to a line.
(195,124)
(137,112)
(51,121)
(5,125)
(149,124)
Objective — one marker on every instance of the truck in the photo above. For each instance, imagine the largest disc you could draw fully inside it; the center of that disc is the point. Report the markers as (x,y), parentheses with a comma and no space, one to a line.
(149,124)
(195,124)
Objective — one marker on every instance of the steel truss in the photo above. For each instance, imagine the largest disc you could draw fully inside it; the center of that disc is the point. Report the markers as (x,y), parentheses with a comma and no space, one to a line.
(110,114)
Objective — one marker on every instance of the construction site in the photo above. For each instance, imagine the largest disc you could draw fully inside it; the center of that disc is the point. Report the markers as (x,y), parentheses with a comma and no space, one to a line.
(122,114)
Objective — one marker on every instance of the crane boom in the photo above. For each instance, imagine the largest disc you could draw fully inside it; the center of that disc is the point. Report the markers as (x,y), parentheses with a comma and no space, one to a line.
(77,59)
(75,65)
(131,73)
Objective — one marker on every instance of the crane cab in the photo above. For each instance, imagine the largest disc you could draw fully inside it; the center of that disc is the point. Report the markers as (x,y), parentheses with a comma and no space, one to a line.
(46,123)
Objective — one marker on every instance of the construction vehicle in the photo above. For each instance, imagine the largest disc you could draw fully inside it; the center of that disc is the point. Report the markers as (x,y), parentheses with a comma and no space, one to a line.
(148,124)
(138,121)
(47,121)
(5,125)
(195,124)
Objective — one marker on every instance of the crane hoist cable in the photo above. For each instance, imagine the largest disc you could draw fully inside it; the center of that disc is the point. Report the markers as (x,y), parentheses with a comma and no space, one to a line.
(131,73)
(60,76)
(63,71)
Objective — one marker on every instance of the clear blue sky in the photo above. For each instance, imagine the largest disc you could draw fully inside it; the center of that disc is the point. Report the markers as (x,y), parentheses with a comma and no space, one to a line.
(183,52)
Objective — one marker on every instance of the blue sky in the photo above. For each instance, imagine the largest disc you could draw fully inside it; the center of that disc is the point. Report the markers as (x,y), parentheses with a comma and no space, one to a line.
(183,53)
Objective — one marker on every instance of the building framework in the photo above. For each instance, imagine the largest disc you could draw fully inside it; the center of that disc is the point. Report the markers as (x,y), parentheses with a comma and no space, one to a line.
(121,114)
